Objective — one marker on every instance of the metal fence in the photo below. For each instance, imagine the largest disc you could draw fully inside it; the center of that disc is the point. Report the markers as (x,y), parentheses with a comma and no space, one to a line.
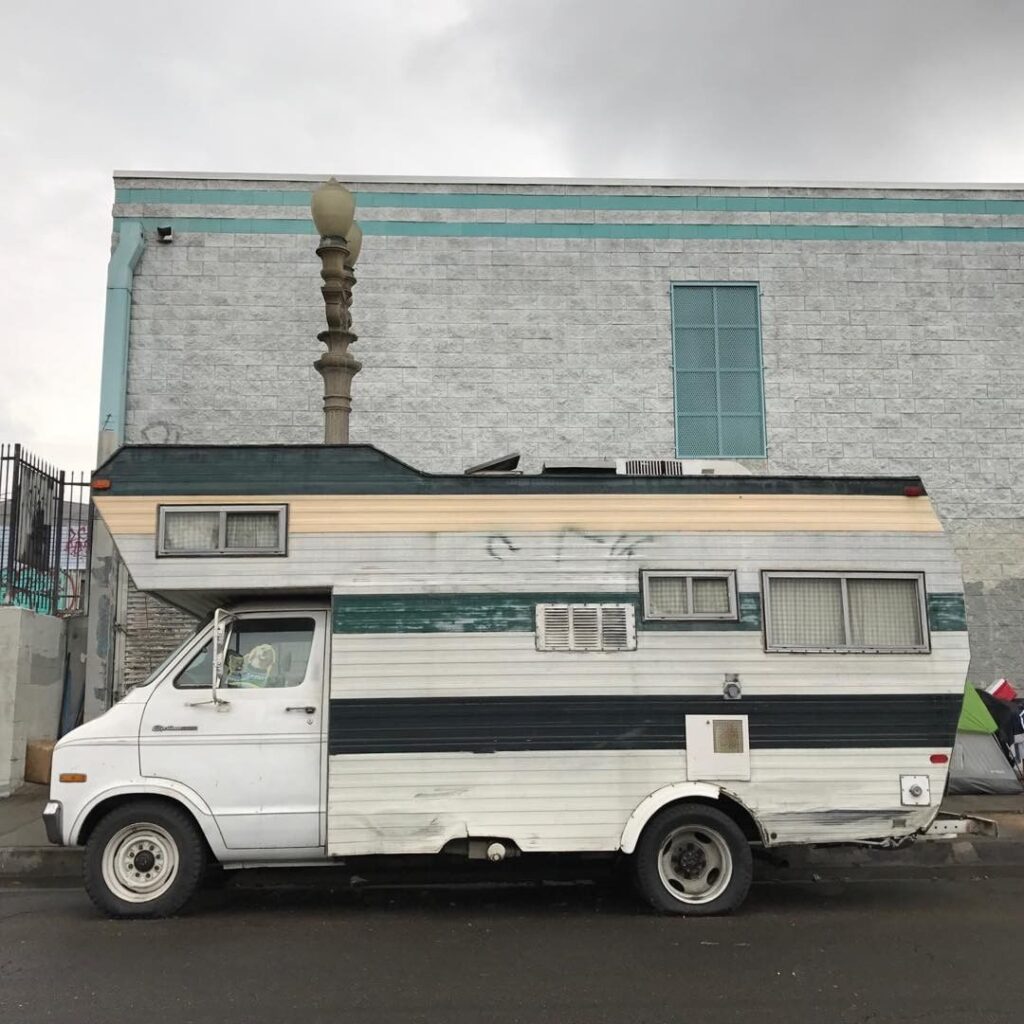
(45,534)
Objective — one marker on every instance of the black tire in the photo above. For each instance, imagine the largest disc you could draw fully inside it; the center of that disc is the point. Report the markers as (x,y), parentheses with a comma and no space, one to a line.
(713,833)
(174,832)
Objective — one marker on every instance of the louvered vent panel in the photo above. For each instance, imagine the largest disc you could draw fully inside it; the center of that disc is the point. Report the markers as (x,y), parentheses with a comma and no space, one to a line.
(618,631)
(553,633)
(654,467)
(586,627)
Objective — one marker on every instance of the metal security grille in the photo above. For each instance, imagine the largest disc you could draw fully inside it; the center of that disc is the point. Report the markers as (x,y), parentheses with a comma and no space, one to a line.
(45,532)
(727,736)
(718,371)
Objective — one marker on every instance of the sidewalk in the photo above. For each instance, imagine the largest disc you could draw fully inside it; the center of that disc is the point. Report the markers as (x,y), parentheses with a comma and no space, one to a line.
(26,855)
(24,850)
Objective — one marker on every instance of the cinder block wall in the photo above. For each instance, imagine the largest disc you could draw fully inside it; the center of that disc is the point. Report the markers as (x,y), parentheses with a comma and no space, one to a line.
(153,629)
(31,687)
(893,333)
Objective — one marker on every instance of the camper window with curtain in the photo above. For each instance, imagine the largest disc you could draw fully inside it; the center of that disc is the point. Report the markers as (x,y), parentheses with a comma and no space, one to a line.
(689,596)
(845,612)
(189,531)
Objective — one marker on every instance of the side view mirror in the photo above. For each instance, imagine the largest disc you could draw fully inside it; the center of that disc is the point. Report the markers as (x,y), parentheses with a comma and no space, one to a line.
(221,636)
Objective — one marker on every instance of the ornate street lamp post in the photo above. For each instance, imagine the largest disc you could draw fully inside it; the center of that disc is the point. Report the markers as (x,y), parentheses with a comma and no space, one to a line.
(333,207)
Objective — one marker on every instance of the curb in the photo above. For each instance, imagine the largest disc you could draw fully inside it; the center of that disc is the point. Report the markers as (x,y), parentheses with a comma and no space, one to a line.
(40,863)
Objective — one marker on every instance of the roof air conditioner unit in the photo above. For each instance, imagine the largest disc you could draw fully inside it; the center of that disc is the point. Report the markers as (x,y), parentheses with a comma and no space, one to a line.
(680,467)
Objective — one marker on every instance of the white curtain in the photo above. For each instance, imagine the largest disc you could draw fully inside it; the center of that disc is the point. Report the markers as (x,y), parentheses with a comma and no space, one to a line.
(710,595)
(255,531)
(667,595)
(885,613)
(191,531)
(806,612)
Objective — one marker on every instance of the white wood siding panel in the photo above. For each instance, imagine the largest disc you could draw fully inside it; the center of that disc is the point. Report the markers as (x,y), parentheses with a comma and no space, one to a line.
(581,800)
(553,562)
(694,663)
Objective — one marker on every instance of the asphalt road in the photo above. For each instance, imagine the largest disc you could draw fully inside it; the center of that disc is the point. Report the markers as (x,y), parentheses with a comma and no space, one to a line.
(929,951)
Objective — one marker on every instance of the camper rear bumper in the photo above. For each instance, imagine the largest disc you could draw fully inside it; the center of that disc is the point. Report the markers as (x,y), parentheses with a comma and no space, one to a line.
(949,826)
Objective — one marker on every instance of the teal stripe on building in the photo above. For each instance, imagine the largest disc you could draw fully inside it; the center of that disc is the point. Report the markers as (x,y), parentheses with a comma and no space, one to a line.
(504,229)
(503,613)
(580,201)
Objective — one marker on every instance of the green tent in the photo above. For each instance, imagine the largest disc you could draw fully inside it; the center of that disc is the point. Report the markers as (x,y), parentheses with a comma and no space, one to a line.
(974,716)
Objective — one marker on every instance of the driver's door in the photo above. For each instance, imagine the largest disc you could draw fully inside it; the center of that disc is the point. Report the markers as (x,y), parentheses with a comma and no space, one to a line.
(256,759)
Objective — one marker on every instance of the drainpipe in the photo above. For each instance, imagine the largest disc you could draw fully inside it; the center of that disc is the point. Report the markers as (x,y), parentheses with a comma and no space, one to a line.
(114,380)
(104,569)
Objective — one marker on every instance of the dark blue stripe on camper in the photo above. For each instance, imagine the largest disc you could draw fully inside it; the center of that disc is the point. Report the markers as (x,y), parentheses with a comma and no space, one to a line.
(641,722)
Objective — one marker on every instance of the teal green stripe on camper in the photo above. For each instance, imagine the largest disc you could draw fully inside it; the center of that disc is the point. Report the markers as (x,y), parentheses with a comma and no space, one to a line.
(502,613)
(946,613)
(451,613)
(504,229)
(496,613)
(579,201)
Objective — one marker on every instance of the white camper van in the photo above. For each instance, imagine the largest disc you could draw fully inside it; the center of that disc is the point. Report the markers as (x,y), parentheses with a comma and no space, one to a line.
(669,667)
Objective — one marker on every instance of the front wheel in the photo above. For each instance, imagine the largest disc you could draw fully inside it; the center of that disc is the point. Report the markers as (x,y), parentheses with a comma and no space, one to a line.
(693,860)
(144,859)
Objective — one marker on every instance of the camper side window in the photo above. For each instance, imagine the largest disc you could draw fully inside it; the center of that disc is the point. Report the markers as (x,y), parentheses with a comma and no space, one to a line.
(689,596)
(197,530)
(877,613)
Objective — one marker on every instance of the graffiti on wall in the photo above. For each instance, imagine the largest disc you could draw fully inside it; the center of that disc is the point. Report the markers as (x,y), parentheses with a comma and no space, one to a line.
(26,586)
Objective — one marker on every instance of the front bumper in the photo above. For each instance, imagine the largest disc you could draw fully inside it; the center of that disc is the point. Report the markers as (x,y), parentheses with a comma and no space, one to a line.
(52,821)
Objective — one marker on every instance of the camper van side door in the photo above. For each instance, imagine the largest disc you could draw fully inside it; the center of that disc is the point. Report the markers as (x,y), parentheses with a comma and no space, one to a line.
(254,754)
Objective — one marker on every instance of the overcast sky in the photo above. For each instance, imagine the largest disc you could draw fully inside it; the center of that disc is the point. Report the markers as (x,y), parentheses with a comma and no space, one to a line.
(894,90)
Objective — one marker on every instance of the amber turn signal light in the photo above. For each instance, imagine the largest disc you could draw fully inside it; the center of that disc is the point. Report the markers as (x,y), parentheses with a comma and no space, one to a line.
(101,485)
(72,777)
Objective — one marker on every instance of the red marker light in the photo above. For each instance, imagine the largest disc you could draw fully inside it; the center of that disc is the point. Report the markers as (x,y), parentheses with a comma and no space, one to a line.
(914,491)
(939,758)
(101,485)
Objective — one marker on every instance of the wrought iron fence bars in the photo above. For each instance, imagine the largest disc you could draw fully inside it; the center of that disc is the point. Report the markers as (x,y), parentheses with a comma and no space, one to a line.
(45,534)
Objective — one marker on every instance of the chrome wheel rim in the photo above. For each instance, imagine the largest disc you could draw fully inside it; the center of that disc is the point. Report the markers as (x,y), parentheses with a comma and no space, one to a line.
(695,864)
(140,862)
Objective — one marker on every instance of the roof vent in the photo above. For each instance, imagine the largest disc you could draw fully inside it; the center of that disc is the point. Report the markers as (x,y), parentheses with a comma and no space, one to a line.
(504,464)
(680,467)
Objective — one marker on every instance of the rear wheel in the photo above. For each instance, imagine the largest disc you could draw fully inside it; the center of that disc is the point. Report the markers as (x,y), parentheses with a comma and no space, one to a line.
(693,860)
(144,859)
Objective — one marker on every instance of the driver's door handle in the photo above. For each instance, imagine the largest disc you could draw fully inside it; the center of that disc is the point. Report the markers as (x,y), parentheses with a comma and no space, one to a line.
(306,709)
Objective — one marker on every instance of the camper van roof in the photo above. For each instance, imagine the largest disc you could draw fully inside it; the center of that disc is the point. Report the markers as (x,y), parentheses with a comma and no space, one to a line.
(364,469)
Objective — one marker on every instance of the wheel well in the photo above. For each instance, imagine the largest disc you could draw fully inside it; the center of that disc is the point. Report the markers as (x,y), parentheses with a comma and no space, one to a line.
(103,808)
(727,805)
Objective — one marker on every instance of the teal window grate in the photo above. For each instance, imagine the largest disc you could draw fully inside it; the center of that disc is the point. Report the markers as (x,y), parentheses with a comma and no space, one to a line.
(719,388)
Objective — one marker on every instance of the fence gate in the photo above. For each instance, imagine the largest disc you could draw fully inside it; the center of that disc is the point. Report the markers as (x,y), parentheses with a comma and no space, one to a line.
(45,535)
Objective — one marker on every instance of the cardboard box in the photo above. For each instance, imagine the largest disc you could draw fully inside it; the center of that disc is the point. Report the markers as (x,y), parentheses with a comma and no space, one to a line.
(38,755)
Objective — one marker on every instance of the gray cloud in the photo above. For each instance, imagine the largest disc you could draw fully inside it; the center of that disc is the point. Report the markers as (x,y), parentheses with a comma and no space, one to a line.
(904,89)
(879,90)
